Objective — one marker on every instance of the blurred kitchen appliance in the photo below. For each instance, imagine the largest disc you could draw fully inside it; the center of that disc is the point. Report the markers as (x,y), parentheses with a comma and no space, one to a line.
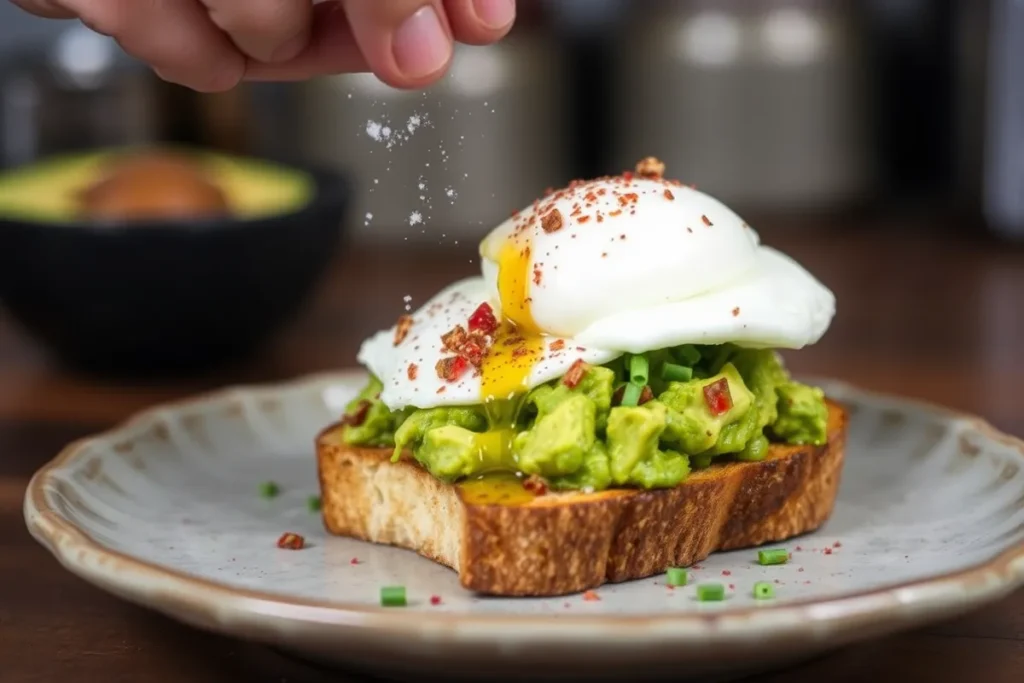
(762,104)
(455,160)
(78,92)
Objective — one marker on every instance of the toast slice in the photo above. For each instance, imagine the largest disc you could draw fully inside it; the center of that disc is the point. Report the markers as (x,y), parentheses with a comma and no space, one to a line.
(561,543)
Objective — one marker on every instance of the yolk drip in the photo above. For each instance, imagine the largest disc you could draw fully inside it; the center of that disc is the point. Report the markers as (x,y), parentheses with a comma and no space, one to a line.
(518,342)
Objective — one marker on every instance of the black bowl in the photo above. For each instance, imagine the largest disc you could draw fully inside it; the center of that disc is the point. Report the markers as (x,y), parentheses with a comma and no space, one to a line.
(167,297)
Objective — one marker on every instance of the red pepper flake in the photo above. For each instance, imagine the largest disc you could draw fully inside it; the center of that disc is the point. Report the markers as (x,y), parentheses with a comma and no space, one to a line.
(828,551)
(732,586)
(726,572)
(629,198)
(600,218)
(707,221)
(354,561)
(535,485)
(454,339)
(358,417)
(435,599)
(412,371)
(735,311)
(650,167)
(538,275)
(837,544)
(577,371)
(717,397)
(645,395)
(615,213)
(557,345)
(552,222)
(799,548)
(583,219)
(440,390)
(290,541)
(483,319)
(604,254)
(628,176)
(452,368)
(669,196)
(591,596)
(402,328)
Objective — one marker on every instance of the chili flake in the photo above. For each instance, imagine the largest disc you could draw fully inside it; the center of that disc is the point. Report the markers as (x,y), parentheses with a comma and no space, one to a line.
(557,345)
(538,274)
(591,596)
(717,397)
(435,599)
(290,541)
(575,374)
(552,222)
(707,221)
(645,395)
(535,485)
(412,371)
(358,417)
(402,328)
(735,311)
(354,561)
(650,167)
(452,368)
(668,195)
(483,319)
(454,339)
(583,219)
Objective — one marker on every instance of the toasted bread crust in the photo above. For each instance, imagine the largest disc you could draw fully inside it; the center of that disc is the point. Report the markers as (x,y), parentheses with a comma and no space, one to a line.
(569,542)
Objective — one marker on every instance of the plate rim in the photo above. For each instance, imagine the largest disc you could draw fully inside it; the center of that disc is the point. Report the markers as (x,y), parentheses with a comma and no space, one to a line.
(212,603)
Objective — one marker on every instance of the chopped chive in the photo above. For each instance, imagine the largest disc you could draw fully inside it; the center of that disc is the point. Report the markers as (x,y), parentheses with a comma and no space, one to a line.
(313,503)
(688,354)
(631,395)
(764,590)
(775,556)
(671,372)
(675,576)
(638,370)
(269,489)
(392,596)
(710,592)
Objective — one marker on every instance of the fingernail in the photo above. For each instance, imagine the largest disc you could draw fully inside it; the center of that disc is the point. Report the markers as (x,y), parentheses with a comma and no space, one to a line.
(421,45)
(495,14)
(290,49)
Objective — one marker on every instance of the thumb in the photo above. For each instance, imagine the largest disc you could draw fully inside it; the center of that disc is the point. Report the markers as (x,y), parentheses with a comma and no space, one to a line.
(48,9)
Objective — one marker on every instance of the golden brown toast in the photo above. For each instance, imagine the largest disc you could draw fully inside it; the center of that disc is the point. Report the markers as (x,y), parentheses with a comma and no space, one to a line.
(560,543)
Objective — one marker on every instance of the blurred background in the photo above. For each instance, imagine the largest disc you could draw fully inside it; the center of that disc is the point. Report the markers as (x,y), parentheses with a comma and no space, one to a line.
(881,142)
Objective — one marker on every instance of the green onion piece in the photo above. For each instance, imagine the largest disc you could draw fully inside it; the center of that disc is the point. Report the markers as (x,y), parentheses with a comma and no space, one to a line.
(688,354)
(638,370)
(776,556)
(676,576)
(764,590)
(313,503)
(392,596)
(269,489)
(671,372)
(711,592)
(631,395)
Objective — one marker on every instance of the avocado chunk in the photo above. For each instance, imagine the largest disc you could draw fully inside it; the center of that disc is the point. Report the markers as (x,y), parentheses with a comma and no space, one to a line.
(803,415)
(633,452)
(691,428)
(559,439)
(368,422)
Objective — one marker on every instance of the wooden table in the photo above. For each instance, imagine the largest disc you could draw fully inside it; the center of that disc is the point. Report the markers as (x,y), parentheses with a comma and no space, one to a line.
(941,319)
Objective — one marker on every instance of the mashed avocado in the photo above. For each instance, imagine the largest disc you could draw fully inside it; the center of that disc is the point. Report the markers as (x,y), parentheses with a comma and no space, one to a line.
(582,437)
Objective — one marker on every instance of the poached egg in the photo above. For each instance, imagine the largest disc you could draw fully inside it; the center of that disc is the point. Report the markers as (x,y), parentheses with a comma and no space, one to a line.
(622,264)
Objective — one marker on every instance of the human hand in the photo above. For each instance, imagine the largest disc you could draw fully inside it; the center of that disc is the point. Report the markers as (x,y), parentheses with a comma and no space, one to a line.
(213,45)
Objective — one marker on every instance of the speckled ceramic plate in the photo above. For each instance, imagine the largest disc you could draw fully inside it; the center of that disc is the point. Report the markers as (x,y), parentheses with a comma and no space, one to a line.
(165,511)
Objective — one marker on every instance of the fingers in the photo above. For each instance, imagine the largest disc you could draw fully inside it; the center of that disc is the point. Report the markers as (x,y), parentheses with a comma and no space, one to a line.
(331,49)
(406,43)
(176,37)
(480,22)
(48,9)
(266,30)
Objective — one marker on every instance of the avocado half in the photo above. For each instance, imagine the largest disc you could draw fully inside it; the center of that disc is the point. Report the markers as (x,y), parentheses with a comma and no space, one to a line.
(184,182)
(120,293)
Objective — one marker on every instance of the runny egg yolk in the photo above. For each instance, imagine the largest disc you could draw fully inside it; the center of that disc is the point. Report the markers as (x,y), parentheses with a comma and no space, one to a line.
(518,342)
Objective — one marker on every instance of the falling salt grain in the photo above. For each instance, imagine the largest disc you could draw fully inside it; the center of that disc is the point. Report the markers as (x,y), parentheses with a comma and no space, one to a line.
(415,218)
(414,122)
